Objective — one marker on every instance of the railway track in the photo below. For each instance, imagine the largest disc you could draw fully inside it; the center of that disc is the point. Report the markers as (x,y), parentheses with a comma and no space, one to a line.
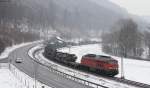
(117,79)
(130,82)
(120,80)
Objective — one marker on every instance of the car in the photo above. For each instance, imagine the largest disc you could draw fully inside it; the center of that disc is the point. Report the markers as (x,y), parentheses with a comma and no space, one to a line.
(19,60)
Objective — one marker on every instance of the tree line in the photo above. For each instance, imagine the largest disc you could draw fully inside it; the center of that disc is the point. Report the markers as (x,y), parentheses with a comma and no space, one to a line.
(127,40)
(14,35)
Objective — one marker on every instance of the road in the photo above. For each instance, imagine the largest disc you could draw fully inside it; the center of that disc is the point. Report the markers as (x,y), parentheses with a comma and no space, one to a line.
(42,73)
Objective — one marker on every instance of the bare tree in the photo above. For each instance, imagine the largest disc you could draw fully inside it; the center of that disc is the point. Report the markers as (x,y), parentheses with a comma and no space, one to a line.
(129,38)
(125,41)
(2,46)
(147,41)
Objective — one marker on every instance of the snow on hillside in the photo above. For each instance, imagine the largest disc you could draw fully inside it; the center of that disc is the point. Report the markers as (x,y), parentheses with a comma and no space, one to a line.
(12,48)
(135,70)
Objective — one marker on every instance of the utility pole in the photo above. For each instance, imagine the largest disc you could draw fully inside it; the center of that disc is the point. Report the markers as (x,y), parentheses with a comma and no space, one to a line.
(35,72)
(122,68)
(69,46)
(122,63)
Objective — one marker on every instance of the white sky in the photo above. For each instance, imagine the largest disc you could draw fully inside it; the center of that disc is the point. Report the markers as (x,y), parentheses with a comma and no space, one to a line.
(138,7)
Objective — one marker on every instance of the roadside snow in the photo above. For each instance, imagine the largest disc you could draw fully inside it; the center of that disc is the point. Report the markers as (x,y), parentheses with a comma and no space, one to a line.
(8,80)
(13,77)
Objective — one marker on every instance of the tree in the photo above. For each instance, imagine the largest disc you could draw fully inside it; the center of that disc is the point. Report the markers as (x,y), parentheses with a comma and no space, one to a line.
(124,41)
(129,37)
(147,41)
(2,46)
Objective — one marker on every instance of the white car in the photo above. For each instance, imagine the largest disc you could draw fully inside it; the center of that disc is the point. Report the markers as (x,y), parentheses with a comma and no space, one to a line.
(19,60)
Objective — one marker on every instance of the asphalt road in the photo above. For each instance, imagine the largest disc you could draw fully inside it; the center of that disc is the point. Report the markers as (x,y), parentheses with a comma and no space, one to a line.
(42,73)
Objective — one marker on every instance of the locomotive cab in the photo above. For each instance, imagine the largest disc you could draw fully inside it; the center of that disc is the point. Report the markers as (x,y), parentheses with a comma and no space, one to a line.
(102,64)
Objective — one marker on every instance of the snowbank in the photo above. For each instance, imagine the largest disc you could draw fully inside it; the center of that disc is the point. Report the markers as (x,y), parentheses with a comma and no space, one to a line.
(8,80)
(33,49)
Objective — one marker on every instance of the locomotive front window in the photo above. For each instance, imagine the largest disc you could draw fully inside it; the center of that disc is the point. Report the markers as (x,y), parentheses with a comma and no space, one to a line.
(112,62)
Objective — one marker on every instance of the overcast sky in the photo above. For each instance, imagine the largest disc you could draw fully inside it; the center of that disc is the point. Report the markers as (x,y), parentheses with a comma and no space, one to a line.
(138,7)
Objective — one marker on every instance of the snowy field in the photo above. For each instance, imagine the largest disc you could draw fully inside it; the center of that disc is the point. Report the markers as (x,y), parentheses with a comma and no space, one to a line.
(135,70)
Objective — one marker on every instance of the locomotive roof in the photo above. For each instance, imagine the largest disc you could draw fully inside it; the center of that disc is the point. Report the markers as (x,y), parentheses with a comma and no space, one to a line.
(99,57)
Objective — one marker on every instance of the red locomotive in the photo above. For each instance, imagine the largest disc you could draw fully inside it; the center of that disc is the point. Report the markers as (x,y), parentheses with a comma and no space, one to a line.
(101,64)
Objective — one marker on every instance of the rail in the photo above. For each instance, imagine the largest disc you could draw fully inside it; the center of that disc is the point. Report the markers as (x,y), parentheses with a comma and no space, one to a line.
(124,81)
(77,79)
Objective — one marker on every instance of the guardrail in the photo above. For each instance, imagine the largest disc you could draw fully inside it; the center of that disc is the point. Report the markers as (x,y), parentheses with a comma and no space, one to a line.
(26,81)
(4,65)
(82,81)
(54,68)
(68,76)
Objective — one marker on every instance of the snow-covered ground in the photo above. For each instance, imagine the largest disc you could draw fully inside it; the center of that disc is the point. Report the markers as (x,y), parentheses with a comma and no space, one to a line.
(7,79)
(135,70)
(14,78)
(88,77)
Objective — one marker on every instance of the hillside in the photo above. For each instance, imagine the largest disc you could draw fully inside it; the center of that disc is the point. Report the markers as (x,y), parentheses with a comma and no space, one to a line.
(77,15)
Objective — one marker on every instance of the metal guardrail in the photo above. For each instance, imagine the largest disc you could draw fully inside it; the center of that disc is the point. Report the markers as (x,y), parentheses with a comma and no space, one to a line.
(82,81)
(4,65)
(25,80)
(77,79)
(128,82)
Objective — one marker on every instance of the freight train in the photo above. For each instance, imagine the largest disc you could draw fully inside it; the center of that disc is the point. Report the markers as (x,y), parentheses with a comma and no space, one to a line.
(103,65)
